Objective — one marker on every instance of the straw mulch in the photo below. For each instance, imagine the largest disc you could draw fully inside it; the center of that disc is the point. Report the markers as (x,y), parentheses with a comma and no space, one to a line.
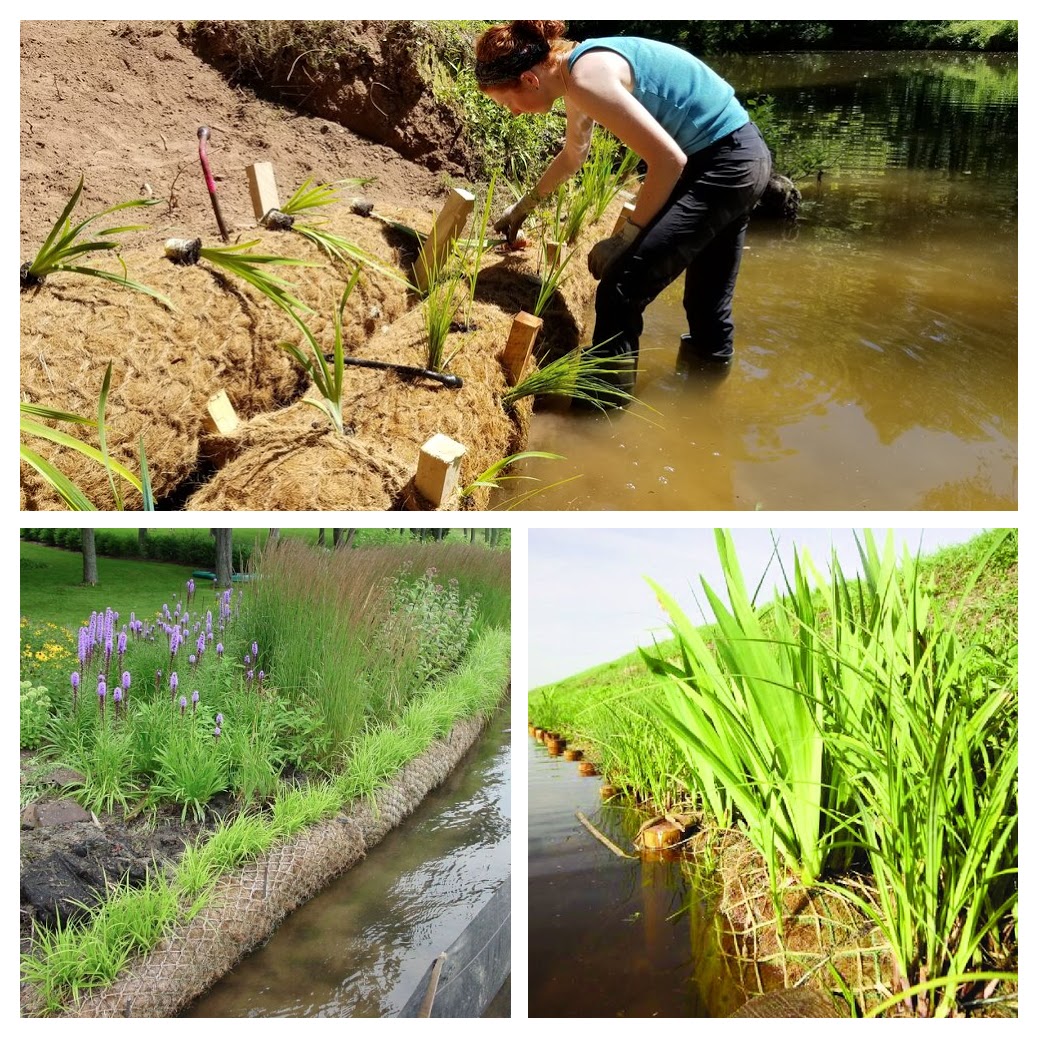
(250,904)
(224,336)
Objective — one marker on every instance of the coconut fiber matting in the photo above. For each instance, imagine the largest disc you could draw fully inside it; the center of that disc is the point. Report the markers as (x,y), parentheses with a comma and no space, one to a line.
(762,951)
(224,335)
(249,905)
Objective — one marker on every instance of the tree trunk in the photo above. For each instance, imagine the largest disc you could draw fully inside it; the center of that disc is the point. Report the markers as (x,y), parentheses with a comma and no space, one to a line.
(224,558)
(142,541)
(275,534)
(350,534)
(89,558)
(320,537)
(336,536)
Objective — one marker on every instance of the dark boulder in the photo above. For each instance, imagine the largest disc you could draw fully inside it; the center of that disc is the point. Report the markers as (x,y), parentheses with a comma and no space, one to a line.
(780,201)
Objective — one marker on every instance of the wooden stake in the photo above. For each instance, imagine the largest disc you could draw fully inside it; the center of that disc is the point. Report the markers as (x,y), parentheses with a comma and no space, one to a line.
(439,464)
(552,254)
(449,224)
(521,338)
(625,214)
(220,419)
(263,188)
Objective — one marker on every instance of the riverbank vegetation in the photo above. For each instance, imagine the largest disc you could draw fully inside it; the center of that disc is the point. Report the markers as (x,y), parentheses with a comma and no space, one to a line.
(253,711)
(861,734)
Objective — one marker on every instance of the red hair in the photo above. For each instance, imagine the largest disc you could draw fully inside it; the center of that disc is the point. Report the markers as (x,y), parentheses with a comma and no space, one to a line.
(505,52)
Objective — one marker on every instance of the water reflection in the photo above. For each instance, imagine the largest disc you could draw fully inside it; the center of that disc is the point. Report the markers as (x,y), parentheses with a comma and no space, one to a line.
(607,935)
(876,343)
(361,946)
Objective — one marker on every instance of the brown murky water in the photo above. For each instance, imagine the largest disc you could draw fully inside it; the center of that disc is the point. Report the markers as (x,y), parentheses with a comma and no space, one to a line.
(608,936)
(362,945)
(876,342)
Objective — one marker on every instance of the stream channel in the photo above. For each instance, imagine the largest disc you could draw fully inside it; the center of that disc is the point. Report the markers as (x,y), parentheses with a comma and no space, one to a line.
(631,930)
(876,340)
(361,946)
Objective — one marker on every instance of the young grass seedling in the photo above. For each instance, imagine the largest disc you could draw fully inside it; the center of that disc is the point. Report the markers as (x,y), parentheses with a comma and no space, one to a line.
(63,246)
(328,380)
(67,490)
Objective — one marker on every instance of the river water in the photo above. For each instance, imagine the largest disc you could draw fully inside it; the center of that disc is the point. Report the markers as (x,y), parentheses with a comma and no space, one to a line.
(876,341)
(617,924)
(362,945)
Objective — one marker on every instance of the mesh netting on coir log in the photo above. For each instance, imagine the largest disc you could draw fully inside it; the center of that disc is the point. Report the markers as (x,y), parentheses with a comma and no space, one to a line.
(760,954)
(248,905)
(224,335)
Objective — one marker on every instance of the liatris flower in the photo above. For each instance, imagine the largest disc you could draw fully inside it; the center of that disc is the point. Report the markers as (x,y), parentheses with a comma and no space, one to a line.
(173,682)
(255,651)
(183,705)
(219,649)
(126,683)
(192,659)
(190,590)
(219,720)
(248,659)
(216,733)
(174,641)
(249,676)
(117,698)
(75,688)
(194,700)
(261,677)
(102,691)
(200,645)
(158,680)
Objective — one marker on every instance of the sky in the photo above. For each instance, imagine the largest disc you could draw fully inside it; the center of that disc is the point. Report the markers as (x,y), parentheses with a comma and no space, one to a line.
(589,602)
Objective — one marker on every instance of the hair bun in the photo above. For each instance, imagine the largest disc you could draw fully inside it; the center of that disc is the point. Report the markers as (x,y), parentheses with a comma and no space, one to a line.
(538,31)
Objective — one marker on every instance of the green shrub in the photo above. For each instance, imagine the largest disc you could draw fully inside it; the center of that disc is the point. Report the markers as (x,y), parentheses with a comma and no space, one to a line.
(33,715)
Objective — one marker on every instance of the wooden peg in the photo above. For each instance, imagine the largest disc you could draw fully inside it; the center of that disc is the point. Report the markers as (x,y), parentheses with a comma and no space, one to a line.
(263,188)
(625,214)
(439,464)
(220,418)
(525,329)
(449,224)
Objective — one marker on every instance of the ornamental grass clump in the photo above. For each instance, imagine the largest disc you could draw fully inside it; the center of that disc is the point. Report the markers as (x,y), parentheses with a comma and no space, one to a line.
(858,725)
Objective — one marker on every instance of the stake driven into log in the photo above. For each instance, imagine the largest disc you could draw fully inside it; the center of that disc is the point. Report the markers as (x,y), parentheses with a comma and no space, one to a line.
(443,377)
(203,136)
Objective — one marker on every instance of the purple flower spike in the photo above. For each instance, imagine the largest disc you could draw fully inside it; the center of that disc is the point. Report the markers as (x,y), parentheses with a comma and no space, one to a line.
(248,659)
(219,720)
(255,651)
(75,681)
(117,695)
(250,676)
(121,645)
(126,681)
(194,700)
(219,649)
(183,705)
(216,733)
(192,659)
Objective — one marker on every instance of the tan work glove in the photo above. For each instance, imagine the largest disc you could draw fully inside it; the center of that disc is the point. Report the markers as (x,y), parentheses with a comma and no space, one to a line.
(513,217)
(603,255)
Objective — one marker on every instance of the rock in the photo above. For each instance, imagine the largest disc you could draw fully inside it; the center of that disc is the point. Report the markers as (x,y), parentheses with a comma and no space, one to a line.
(60,812)
(64,777)
(780,201)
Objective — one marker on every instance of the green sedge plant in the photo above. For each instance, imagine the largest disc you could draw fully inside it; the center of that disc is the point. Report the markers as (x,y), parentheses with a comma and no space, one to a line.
(328,379)
(70,493)
(64,245)
(583,375)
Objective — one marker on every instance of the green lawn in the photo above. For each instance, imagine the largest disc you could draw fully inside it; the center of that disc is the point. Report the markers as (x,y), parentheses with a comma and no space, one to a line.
(52,589)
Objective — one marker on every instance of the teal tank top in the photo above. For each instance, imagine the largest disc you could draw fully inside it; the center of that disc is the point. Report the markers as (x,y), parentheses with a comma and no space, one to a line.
(685,96)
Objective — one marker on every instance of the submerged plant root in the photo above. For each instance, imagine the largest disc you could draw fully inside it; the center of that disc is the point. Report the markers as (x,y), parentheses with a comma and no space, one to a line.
(250,904)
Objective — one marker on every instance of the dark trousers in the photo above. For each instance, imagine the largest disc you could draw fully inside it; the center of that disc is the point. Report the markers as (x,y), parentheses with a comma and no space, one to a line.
(700,231)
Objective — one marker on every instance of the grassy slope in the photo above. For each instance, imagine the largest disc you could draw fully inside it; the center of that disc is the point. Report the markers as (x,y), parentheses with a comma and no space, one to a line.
(950,569)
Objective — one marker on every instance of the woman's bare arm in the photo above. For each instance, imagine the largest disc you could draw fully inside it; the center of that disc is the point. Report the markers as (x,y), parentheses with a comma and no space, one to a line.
(579,128)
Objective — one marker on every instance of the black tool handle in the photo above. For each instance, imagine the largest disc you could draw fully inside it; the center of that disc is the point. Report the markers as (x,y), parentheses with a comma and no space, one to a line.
(443,377)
